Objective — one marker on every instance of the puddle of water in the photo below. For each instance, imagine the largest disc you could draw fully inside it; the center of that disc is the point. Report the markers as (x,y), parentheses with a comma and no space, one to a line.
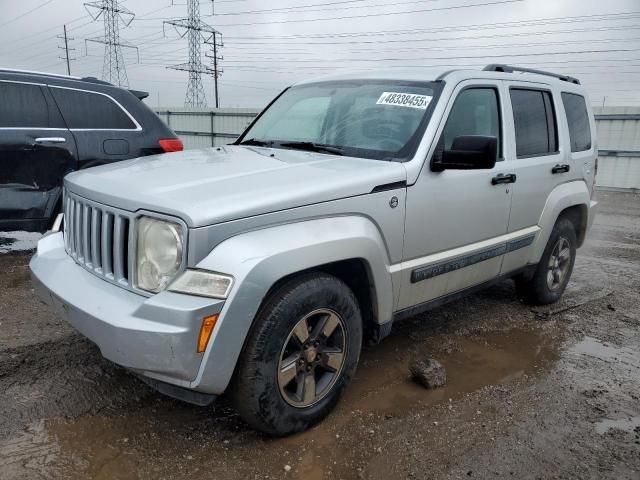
(626,425)
(607,352)
(169,436)
(383,385)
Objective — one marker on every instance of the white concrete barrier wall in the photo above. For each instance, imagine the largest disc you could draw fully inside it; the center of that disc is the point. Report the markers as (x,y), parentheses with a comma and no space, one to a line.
(207,127)
(619,147)
(618,137)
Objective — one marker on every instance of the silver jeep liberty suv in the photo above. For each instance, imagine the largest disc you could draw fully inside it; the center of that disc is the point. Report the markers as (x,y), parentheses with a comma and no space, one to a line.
(351,202)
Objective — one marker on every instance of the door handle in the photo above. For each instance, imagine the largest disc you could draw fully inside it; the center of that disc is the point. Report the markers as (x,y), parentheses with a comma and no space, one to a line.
(50,140)
(506,178)
(561,168)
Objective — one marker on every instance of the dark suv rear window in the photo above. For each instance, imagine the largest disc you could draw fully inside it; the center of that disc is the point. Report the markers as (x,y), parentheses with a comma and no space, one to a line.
(90,110)
(578,120)
(22,106)
(535,122)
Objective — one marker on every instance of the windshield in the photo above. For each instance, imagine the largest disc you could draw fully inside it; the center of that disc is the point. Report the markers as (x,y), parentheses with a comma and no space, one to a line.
(368,119)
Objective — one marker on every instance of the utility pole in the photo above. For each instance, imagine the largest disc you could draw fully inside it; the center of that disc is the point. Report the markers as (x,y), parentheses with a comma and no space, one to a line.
(197,32)
(113,14)
(217,71)
(66,49)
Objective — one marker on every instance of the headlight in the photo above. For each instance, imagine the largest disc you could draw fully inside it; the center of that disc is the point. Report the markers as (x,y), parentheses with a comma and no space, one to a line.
(159,251)
(203,283)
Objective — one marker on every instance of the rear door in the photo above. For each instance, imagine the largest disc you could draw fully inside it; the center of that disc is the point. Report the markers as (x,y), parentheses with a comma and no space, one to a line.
(104,130)
(539,158)
(36,151)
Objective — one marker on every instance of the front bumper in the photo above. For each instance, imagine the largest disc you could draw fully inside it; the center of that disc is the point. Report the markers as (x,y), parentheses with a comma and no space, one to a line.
(154,336)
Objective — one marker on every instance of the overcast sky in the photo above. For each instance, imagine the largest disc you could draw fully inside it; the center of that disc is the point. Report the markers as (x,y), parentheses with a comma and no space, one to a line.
(269,45)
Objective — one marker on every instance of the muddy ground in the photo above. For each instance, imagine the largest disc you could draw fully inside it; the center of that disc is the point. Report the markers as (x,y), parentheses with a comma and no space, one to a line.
(532,393)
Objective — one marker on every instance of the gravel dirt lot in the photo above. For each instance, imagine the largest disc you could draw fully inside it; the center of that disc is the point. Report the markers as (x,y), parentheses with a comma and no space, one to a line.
(532,393)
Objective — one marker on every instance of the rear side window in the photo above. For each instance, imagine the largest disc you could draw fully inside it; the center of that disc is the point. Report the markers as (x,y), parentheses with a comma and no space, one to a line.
(22,106)
(89,110)
(578,120)
(535,122)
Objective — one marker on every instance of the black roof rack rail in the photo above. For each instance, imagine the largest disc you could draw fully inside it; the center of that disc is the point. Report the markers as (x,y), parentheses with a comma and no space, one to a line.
(496,67)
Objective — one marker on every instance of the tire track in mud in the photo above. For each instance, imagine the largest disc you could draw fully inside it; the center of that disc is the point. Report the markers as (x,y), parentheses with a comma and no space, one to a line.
(66,377)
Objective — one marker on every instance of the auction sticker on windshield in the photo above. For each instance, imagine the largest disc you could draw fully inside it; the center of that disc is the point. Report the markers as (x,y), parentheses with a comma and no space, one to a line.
(411,100)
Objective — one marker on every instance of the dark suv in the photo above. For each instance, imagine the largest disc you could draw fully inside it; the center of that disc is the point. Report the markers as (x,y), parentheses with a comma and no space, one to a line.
(51,125)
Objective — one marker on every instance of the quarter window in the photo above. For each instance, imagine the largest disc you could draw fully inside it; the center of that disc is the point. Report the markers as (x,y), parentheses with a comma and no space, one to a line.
(474,112)
(89,110)
(22,106)
(578,120)
(535,122)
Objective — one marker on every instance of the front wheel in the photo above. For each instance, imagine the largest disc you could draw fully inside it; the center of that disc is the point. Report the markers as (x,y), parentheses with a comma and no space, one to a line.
(301,352)
(553,272)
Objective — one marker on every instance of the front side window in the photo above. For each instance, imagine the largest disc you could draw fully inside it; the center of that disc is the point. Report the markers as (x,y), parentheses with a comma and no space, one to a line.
(22,106)
(88,110)
(474,112)
(535,122)
(578,121)
(367,118)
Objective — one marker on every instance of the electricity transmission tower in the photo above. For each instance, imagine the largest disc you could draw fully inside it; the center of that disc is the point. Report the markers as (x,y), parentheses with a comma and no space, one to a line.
(66,49)
(197,32)
(113,14)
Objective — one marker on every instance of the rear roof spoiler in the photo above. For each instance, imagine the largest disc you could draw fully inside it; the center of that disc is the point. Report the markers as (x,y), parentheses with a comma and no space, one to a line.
(141,95)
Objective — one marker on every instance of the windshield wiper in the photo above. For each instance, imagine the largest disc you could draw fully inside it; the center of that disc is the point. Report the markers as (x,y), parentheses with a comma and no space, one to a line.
(257,143)
(313,147)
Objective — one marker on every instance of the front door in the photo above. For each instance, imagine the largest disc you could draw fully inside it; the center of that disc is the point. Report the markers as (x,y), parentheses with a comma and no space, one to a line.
(36,151)
(456,220)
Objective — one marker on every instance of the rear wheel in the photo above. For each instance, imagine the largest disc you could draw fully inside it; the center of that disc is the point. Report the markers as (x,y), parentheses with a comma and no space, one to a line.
(553,272)
(301,352)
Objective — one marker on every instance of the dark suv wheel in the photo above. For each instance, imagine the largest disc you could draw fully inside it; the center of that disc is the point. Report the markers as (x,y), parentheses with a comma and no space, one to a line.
(301,352)
(553,272)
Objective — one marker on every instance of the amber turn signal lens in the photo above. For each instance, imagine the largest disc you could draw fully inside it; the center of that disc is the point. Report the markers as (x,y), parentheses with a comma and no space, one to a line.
(208,324)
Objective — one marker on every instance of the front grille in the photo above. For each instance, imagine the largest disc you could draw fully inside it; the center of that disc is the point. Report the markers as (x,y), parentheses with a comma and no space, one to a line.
(98,238)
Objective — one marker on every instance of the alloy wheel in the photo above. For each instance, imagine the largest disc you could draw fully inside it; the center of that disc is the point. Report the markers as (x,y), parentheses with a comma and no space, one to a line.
(559,263)
(312,358)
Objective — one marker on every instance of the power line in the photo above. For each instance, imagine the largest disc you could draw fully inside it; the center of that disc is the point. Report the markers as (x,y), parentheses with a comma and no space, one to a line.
(326,4)
(461,57)
(591,18)
(22,15)
(377,42)
(307,52)
(368,15)
(477,26)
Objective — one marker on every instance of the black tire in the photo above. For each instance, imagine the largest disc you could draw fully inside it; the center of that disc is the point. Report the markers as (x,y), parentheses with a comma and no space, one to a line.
(256,390)
(539,289)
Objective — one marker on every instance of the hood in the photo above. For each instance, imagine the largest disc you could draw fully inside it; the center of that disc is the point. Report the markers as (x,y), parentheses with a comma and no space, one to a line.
(215,185)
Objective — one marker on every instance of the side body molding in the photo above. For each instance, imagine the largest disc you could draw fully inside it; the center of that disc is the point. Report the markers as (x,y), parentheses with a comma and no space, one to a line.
(563,196)
(259,258)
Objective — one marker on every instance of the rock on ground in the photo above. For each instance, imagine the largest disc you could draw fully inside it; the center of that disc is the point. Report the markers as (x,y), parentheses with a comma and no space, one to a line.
(429,373)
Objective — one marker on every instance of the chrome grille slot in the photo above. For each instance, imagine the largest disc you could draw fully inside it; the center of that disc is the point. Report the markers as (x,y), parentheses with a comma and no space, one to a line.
(86,239)
(120,247)
(96,219)
(97,237)
(107,242)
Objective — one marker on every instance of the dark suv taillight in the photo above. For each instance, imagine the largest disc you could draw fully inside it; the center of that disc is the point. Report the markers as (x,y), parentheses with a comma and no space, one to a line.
(171,145)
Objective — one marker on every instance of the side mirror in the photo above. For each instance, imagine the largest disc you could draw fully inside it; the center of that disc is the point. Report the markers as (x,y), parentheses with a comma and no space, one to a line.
(469,152)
